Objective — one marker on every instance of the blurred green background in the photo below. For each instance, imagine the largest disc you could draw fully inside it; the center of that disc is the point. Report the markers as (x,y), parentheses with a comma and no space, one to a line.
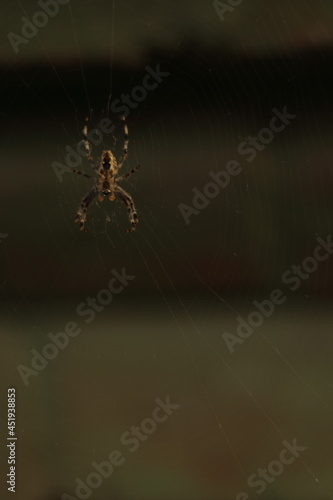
(163,334)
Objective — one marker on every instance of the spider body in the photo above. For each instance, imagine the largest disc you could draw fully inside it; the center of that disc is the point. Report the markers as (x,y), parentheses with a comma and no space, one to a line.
(106,182)
(108,163)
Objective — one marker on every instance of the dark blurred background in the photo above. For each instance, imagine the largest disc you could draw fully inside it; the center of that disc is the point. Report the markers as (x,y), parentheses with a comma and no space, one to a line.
(163,335)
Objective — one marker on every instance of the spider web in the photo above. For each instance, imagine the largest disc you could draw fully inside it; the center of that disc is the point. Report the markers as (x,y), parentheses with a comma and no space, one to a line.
(175,301)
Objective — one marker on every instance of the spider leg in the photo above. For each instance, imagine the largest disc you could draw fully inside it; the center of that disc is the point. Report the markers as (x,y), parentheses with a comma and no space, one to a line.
(128,200)
(125,148)
(75,171)
(86,145)
(81,214)
(126,176)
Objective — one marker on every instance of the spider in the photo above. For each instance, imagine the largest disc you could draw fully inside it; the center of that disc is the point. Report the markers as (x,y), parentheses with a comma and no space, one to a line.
(106,181)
